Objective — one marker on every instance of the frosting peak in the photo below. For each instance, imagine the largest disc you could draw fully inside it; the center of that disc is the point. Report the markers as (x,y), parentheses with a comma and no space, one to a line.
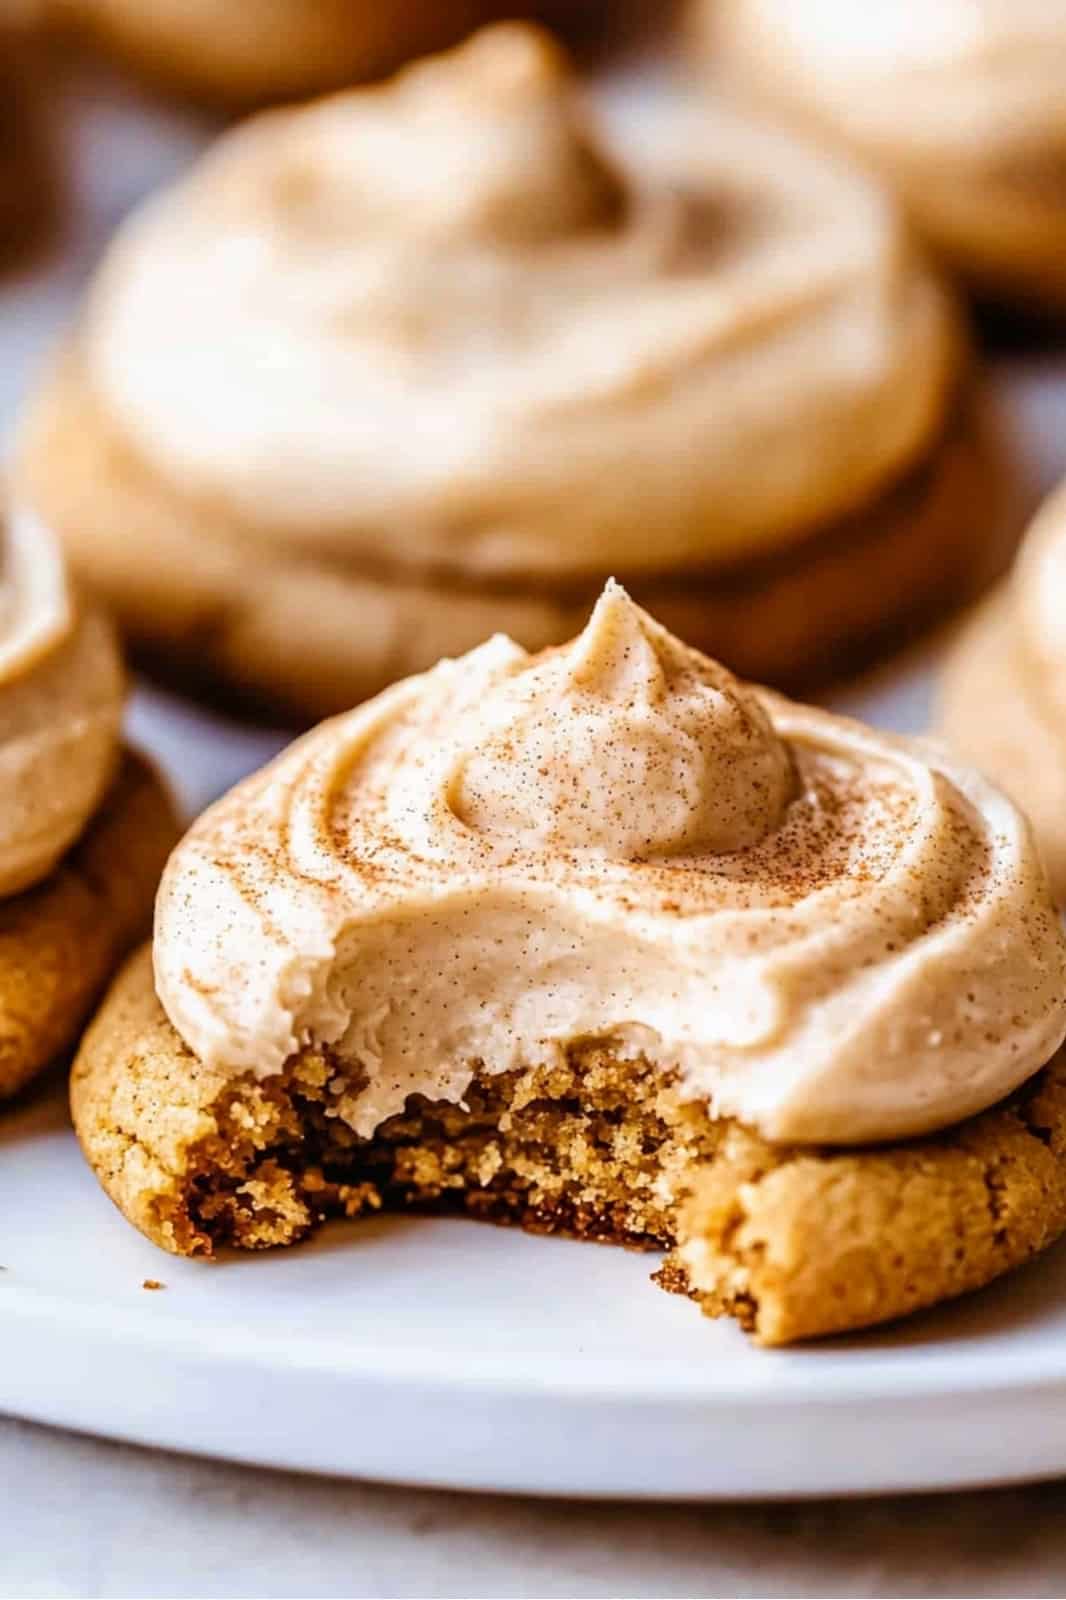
(627,744)
(485,146)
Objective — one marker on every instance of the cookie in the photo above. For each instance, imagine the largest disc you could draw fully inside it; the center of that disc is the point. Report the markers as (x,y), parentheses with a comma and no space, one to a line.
(28,184)
(267,50)
(795,1243)
(999,700)
(957,106)
(634,354)
(204,610)
(604,941)
(61,941)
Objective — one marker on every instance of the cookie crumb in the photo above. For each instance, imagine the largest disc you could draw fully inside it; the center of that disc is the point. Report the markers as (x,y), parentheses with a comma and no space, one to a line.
(152,1283)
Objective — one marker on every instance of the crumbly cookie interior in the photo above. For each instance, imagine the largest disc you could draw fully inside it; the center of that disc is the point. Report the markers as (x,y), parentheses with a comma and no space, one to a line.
(793,1242)
(595,1146)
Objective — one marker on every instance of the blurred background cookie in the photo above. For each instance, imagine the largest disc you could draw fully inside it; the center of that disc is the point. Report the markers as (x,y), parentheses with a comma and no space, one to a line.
(84,831)
(412,364)
(959,103)
(1003,695)
(262,50)
(28,179)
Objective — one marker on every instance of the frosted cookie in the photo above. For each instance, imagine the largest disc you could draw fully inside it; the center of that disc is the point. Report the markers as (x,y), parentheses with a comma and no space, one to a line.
(83,836)
(601,940)
(27,181)
(264,50)
(417,363)
(1002,702)
(959,103)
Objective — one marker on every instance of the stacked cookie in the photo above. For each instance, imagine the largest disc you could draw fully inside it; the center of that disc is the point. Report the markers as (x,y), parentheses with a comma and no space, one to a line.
(439,355)
(84,828)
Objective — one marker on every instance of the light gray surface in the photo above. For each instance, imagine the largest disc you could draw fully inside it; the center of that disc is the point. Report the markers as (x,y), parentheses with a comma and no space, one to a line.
(86,1519)
(90,1519)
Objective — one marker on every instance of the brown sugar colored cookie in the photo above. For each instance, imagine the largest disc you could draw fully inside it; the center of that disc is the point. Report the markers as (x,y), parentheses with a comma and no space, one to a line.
(264,50)
(84,830)
(692,354)
(204,607)
(795,1243)
(28,180)
(1001,702)
(958,105)
(603,941)
(60,941)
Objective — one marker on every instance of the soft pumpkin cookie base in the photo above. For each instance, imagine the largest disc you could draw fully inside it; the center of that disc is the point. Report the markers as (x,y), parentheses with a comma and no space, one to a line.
(794,1242)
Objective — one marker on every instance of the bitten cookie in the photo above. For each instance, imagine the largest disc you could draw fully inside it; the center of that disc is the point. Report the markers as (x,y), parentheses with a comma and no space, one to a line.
(417,363)
(794,1243)
(603,941)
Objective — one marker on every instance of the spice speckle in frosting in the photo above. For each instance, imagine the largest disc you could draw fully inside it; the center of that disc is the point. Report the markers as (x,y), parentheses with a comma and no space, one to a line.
(624,743)
(828,933)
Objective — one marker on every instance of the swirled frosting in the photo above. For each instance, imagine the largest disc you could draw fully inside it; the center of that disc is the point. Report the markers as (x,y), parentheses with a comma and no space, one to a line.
(829,933)
(453,323)
(61,693)
(974,78)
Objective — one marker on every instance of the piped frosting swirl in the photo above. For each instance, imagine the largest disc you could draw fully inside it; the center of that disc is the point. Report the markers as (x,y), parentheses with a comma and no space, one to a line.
(457,324)
(829,933)
(626,745)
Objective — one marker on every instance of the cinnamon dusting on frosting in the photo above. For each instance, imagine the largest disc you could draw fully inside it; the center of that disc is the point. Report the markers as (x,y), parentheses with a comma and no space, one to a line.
(624,743)
(829,933)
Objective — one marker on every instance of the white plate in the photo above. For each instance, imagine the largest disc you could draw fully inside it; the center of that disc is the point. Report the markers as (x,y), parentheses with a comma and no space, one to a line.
(445,1352)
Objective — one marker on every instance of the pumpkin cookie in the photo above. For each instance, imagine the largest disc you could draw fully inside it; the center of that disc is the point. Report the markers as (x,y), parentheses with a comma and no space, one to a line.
(81,848)
(1002,703)
(62,940)
(27,180)
(264,50)
(958,104)
(412,364)
(702,969)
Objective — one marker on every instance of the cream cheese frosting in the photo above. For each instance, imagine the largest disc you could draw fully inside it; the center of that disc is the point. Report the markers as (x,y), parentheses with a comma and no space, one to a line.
(61,693)
(829,933)
(459,323)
